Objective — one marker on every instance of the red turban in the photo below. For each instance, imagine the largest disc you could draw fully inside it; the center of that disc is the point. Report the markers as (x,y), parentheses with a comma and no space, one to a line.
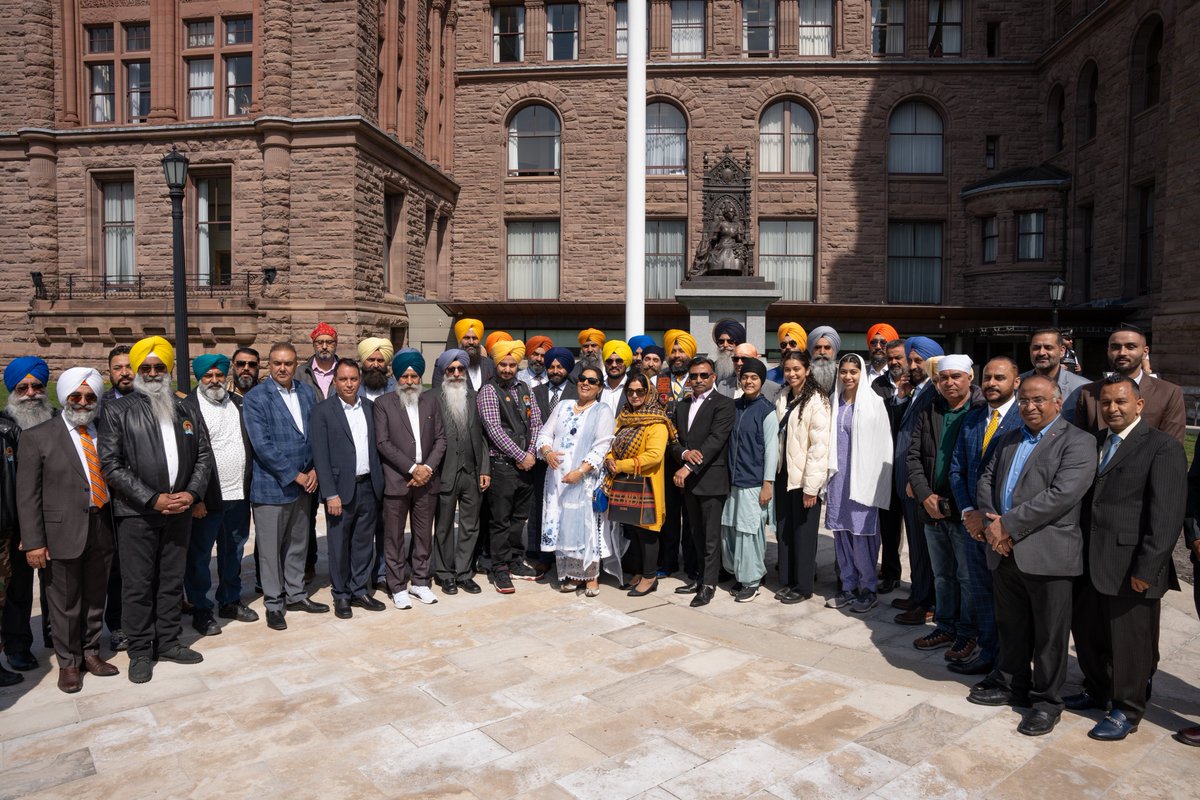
(538,342)
(323,329)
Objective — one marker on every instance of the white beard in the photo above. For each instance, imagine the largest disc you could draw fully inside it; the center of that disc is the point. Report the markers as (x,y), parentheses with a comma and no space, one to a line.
(81,416)
(29,411)
(724,366)
(408,394)
(162,402)
(824,373)
(215,394)
(455,394)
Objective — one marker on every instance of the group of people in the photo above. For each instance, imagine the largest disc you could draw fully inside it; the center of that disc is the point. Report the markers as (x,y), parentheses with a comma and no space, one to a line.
(1035,505)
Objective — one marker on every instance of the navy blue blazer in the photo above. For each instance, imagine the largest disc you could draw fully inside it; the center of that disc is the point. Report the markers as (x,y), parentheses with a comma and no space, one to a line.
(333,450)
(966,465)
(281,450)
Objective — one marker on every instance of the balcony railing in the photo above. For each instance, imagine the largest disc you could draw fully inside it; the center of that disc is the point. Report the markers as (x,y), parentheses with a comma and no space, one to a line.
(143,286)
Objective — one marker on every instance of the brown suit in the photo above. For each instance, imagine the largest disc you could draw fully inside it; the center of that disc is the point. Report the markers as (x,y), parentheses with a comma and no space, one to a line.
(1163,410)
(408,557)
(79,538)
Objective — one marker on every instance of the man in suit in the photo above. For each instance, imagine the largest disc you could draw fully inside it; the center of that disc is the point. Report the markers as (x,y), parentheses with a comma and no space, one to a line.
(120,378)
(465,476)
(1046,352)
(468,333)
(1030,493)
(1191,535)
(893,387)
(559,387)
(673,386)
(704,421)
(342,434)
(915,609)
(981,431)
(1163,401)
(1132,518)
(412,445)
(157,461)
(68,530)
(282,483)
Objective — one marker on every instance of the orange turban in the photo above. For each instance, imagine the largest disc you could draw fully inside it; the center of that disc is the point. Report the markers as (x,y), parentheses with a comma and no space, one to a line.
(683,338)
(591,335)
(496,336)
(796,331)
(465,324)
(507,347)
(538,342)
(888,332)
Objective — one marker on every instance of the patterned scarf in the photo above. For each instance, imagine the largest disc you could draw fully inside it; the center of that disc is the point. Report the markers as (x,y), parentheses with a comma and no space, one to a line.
(632,427)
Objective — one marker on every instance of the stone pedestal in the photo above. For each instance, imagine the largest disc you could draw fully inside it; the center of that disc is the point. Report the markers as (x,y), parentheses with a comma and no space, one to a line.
(709,298)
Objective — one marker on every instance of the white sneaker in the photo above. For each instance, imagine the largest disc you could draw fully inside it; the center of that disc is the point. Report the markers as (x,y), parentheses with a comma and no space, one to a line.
(401,600)
(424,594)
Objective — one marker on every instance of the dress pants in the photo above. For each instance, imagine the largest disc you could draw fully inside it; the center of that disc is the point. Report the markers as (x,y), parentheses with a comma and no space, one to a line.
(76,589)
(112,606)
(668,549)
(281,540)
(15,627)
(983,607)
(704,515)
(951,582)
(350,543)
(452,554)
(407,555)
(508,498)
(310,553)
(891,525)
(920,571)
(796,530)
(153,554)
(1116,642)
(1033,618)
(228,529)
(643,550)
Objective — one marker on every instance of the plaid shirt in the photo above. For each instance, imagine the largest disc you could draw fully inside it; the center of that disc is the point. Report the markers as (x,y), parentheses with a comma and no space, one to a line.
(500,445)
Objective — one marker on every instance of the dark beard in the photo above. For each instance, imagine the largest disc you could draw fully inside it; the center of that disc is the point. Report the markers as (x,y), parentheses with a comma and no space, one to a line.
(824,372)
(878,362)
(28,411)
(536,369)
(374,378)
(678,368)
(556,379)
(897,372)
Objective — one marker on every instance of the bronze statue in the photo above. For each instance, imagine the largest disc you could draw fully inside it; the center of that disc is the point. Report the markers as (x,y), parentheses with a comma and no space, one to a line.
(725,249)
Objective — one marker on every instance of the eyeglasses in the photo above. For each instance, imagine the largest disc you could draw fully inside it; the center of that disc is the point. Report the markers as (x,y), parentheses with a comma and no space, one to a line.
(1033,401)
(29,388)
(699,376)
(241,364)
(153,369)
(636,392)
(590,381)
(455,370)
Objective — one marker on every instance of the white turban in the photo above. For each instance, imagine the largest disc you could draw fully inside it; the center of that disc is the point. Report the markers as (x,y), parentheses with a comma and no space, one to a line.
(955,362)
(75,377)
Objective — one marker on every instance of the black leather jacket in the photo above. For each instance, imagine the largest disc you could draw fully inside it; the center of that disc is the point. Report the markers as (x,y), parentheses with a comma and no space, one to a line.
(131,455)
(212,496)
(10,435)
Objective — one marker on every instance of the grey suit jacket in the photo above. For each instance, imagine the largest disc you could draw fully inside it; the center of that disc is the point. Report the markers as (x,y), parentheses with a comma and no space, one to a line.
(334,454)
(54,493)
(1044,518)
(457,443)
(398,444)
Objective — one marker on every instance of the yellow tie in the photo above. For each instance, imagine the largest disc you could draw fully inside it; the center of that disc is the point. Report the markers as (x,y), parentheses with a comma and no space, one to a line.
(99,487)
(993,424)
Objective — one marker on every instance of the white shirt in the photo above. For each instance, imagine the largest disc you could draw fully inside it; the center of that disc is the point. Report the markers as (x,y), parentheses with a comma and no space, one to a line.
(614,398)
(291,399)
(356,418)
(531,380)
(224,424)
(475,375)
(1003,409)
(170,450)
(696,401)
(873,373)
(78,442)
(414,422)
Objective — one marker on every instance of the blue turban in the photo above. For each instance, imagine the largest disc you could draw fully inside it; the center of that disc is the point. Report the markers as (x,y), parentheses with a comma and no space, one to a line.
(654,349)
(453,354)
(202,364)
(731,328)
(562,355)
(408,357)
(640,342)
(824,332)
(18,368)
(924,347)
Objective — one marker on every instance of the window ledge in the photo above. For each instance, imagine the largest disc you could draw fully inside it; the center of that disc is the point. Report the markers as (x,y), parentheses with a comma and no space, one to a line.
(533,178)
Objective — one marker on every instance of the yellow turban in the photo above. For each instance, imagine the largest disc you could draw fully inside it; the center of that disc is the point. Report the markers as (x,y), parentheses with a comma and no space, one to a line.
(591,335)
(152,346)
(683,338)
(373,343)
(620,348)
(463,325)
(516,349)
(496,336)
(796,332)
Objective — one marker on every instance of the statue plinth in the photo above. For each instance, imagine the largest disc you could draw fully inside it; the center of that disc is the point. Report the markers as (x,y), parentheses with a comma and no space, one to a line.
(745,298)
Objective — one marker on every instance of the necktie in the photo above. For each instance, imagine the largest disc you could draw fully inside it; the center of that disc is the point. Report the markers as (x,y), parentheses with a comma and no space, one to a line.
(99,487)
(1114,441)
(554,397)
(992,425)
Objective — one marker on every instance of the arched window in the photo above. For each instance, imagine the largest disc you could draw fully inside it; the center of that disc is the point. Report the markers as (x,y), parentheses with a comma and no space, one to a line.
(534,141)
(1146,64)
(1088,106)
(787,139)
(915,140)
(666,140)
(1056,125)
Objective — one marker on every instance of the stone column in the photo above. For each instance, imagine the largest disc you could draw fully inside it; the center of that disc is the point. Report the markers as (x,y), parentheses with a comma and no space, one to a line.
(42,203)
(433,96)
(164,34)
(535,32)
(70,60)
(787,29)
(660,29)
(277,207)
(276,26)
(449,91)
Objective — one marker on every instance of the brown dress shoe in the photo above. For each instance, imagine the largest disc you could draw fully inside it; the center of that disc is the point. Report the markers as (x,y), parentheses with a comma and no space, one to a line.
(914,616)
(1189,736)
(98,666)
(904,604)
(69,680)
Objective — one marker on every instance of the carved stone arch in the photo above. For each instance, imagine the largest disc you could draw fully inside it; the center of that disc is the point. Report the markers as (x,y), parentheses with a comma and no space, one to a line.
(533,92)
(804,89)
(665,89)
(925,90)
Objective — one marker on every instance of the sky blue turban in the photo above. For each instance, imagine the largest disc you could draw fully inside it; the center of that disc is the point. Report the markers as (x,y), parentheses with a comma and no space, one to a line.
(408,357)
(453,354)
(562,355)
(824,332)
(640,342)
(924,347)
(18,368)
(202,364)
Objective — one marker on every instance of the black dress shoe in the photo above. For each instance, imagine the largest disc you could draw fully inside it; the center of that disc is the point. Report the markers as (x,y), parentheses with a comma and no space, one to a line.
(703,597)
(204,623)
(367,602)
(275,621)
(308,605)
(990,696)
(238,611)
(688,588)
(792,597)
(653,588)
(887,586)
(180,654)
(23,661)
(976,666)
(1083,701)
(448,587)
(10,678)
(1039,723)
(341,608)
(469,586)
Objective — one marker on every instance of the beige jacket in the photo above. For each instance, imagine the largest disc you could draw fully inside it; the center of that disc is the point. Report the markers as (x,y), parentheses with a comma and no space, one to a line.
(805,444)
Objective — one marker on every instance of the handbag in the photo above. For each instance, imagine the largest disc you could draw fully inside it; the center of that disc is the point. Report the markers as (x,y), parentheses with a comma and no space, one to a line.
(599,500)
(631,501)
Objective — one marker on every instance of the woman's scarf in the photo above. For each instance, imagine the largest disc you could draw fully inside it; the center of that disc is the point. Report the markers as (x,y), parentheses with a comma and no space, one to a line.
(633,425)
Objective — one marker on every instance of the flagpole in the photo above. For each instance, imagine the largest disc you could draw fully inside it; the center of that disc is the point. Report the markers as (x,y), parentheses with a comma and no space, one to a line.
(635,171)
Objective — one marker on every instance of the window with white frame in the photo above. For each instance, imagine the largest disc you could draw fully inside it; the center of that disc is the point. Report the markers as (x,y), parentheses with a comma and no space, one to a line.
(666,140)
(989,240)
(621,11)
(117,231)
(137,90)
(214,229)
(758,28)
(218,54)
(534,136)
(101,92)
(915,140)
(508,34)
(1031,235)
(687,28)
(887,27)
(787,139)
(533,260)
(665,254)
(785,255)
(816,27)
(914,262)
(562,31)
(945,28)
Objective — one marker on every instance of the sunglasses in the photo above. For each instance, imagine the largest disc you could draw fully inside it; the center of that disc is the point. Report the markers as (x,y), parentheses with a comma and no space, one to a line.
(699,376)
(153,369)
(455,370)
(724,340)
(241,364)
(879,340)
(739,358)
(636,393)
(615,361)
(590,381)
(29,388)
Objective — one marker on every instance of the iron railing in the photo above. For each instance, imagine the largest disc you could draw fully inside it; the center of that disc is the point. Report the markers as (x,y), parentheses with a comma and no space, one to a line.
(146,285)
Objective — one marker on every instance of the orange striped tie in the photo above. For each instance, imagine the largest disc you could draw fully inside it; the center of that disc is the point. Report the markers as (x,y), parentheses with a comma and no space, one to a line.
(99,487)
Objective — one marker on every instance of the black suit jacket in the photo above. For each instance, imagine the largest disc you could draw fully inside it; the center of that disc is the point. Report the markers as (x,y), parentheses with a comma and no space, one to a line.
(1163,407)
(542,395)
(1191,523)
(212,495)
(710,435)
(458,442)
(1134,512)
(334,455)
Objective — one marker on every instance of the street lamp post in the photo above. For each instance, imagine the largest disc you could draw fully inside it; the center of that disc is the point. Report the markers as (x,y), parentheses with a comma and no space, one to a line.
(1058,288)
(175,167)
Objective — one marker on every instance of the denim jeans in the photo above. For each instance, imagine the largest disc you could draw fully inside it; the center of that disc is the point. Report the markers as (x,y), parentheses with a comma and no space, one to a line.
(951,582)
(228,529)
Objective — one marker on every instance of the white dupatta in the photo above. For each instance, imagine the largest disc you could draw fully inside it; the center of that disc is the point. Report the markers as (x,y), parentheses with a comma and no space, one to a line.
(871,449)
